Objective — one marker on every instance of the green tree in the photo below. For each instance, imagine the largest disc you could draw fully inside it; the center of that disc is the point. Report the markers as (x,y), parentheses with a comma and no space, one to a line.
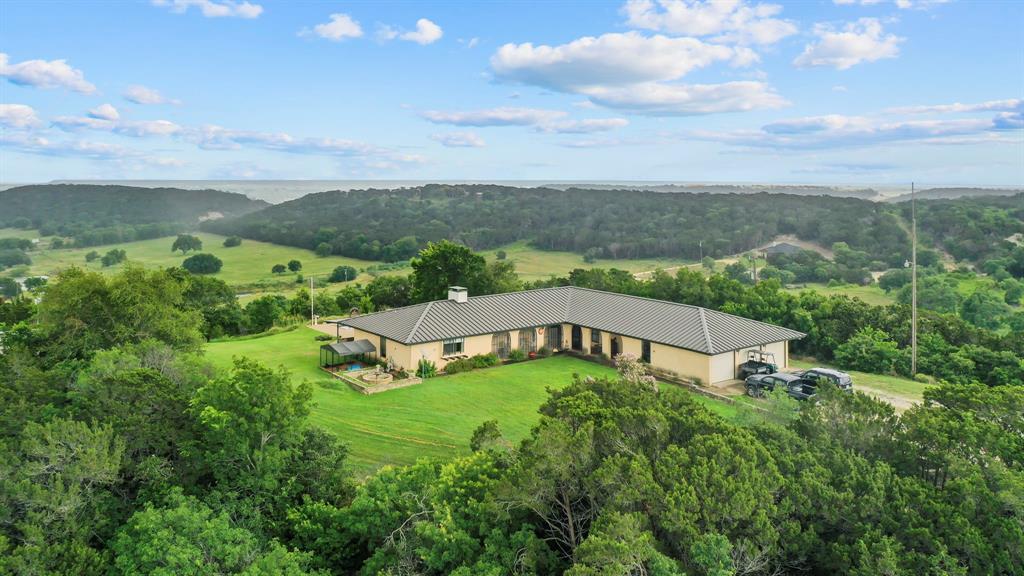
(262,313)
(232,241)
(278,269)
(323,249)
(343,274)
(444,264)
(294,265)
(186,243)
(82,312)
(390,291)
(202,264)
(184,536)
(113,257)
(871,350)
(9,288)
(35,282)
(984,308)
(92,256)
(617,545)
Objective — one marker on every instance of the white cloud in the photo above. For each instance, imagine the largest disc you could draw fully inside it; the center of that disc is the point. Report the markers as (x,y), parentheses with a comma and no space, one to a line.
(839,131)
(212,9)
(839,88)
(504,116)
(426,32)
(1009,105)
(100,151)
(587,126)
(729,20)
(459,140)
(133,128)
(143,95)
(105,112)
(857,42)
(609,59)
(551,121)
(471,43)
(45,74)
(18,116)
(901,4)
(690,99)
(638,73)
(339,27)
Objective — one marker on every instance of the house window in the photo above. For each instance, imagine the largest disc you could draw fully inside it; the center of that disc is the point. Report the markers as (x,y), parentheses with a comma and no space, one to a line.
(595,341)
(528,340)
(553,337)
(500,344)
(383,347)
(645,351)
(452,346)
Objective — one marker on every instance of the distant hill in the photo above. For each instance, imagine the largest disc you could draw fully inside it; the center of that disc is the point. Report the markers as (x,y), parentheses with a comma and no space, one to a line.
(953,193)
(794,189)
(94,206)
(617,224)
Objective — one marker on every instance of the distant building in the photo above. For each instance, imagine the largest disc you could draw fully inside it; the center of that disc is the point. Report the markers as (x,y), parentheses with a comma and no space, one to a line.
(782,248)
(689,341)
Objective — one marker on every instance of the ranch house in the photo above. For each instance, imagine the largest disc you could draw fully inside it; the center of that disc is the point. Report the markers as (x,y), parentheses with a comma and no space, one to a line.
(688,341)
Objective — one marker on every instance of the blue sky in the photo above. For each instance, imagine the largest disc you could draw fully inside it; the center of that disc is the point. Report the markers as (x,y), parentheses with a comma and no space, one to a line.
(849,92)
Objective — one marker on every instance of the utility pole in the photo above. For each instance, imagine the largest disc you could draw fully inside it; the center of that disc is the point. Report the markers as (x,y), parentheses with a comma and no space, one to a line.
(913,281)
(312,317)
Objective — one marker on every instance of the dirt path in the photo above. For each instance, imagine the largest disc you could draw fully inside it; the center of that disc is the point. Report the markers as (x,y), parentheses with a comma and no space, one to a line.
(900,403)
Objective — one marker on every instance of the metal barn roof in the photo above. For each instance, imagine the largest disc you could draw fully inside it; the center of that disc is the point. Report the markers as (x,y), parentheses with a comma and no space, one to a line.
(681,325)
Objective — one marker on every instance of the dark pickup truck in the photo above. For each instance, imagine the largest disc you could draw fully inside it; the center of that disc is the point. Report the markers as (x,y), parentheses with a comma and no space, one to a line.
(799,385)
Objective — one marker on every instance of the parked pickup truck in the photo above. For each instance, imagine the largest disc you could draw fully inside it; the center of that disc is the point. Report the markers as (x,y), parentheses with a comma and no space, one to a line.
(760,384)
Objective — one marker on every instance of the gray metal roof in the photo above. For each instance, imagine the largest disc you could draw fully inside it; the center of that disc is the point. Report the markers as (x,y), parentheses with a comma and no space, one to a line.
(680,325)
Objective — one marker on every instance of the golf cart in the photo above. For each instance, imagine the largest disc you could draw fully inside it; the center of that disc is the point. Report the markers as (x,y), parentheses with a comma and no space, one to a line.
(758,362)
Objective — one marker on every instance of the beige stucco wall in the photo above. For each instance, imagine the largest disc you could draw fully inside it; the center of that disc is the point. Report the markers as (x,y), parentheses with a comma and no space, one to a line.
(683,362)
(721,367)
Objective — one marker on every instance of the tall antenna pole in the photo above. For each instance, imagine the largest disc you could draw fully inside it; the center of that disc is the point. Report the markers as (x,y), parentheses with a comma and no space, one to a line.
(913,281)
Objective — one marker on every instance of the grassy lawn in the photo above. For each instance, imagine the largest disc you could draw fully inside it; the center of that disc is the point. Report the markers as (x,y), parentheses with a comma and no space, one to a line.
(534,264)
(871,294)
(18,233)
(246,266)
(899,391)
(435,418)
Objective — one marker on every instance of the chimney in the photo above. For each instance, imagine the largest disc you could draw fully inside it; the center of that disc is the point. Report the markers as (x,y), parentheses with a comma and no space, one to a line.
(458,294)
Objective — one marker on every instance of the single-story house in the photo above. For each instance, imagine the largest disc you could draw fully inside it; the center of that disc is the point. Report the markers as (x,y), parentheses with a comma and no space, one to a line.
(782,248)
(688,341)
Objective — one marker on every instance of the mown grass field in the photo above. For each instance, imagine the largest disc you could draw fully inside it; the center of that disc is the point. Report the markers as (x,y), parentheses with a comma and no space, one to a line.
(870,294)
(534,264)
(432,419)
(246,267)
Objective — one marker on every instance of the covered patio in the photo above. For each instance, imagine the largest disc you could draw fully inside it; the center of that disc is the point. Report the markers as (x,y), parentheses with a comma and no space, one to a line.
(351,355)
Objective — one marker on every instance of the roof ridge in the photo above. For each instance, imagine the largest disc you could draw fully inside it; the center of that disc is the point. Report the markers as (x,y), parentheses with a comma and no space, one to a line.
(419,321)
(704,327)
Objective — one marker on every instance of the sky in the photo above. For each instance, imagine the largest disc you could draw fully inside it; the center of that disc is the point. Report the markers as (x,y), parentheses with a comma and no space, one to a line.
(831,91)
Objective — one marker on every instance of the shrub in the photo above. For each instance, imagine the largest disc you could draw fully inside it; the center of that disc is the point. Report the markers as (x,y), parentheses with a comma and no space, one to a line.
(343,274)
(544,352)
(294,265)
(500,255)
(91,256)
(232,241)
(323,337)
(456,366)
(401,375)
(516,355)
(204,263)
(323,249)
(278,269)
(485,360)
(486,435)
(114,257)
(426,369)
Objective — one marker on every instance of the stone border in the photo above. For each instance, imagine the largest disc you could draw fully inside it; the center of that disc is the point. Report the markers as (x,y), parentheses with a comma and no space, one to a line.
(351,377)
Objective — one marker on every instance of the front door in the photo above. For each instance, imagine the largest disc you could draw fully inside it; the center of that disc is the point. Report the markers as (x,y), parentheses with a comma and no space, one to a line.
(616,346)
(577,338)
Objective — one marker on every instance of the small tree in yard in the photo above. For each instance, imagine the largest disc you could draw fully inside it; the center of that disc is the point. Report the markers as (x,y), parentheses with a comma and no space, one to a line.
(294,265)
(632,370)
(278,269)
(202,264)
(186,242)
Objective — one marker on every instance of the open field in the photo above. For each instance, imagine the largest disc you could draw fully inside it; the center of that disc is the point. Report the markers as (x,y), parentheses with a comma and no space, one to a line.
(871,294)
(534,264)
(245,267)
(900,392)
(435,418)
